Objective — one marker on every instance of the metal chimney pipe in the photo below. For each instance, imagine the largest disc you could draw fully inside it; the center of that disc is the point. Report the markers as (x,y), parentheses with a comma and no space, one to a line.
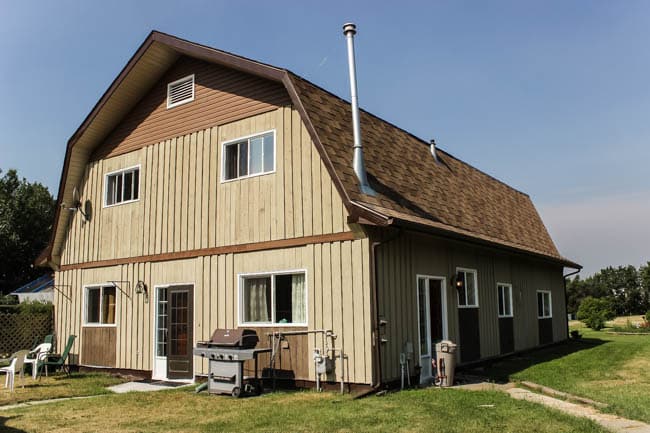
(434,152)
(349,30)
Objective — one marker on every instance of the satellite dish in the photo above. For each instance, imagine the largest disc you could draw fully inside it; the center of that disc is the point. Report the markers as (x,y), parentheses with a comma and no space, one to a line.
(76,205)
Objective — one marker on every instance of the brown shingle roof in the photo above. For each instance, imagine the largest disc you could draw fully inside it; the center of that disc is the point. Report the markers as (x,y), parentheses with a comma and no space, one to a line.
(451,197)
(411,186)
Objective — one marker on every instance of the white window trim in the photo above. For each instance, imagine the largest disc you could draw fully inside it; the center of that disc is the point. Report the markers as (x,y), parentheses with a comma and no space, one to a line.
(550,304)
(512,308)
(248,137)
(101,299)
(445,319)
(475,272)
(184,101)
(240,298)
(121,170)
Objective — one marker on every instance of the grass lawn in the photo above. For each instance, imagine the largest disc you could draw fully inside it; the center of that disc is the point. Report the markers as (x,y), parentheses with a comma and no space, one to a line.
(56,387)
(613,369)
(181,410)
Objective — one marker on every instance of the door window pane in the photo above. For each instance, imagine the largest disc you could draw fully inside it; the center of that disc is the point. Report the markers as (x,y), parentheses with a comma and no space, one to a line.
(422,305)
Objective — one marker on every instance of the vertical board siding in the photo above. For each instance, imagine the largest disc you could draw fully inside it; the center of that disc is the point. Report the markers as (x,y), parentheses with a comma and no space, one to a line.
(338,290)
(401,259)
(183,204)
(222,95)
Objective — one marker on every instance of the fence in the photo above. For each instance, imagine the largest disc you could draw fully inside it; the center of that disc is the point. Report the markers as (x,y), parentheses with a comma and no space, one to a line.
(21,329)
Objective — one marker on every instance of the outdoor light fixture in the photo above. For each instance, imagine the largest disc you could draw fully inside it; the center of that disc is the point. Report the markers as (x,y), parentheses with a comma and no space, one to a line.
(460,281)
(141,289)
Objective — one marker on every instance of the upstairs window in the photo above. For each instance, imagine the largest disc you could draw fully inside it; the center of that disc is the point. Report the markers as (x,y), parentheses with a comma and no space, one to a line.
(505,299)
(180,91)
(100,305)
(249,156)
(544,309)
(467,290)
(122,186)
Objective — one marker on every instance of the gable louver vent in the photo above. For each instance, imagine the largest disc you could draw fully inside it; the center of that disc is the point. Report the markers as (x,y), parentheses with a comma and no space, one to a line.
(180,91)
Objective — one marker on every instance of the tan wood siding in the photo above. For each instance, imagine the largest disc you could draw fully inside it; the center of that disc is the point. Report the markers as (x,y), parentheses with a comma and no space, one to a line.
(99,346)
(401,259)
(222,95)
(183,204)
(338,293)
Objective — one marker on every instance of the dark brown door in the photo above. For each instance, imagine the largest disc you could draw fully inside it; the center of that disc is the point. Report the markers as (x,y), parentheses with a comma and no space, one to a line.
(180,325)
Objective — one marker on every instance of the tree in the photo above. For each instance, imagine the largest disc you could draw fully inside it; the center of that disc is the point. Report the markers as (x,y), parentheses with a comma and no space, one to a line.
(595,311)
(26,215)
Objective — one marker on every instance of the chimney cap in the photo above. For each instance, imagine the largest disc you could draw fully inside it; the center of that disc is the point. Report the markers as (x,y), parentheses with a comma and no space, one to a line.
(349,28)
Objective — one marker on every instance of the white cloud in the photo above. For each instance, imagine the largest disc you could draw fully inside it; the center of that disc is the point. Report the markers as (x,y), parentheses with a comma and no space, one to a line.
(602,231)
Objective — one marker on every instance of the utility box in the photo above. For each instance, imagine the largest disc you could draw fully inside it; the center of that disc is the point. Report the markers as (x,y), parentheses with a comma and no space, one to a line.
(446,362)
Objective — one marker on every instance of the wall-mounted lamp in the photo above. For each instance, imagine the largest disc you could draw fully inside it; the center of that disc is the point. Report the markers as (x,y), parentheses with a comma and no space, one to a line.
(459,281)
(141,289)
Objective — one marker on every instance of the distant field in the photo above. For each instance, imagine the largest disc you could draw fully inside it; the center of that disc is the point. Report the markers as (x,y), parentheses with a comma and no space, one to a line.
(620,321)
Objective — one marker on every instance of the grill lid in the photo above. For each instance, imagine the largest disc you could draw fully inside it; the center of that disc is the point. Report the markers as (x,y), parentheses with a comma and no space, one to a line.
(235,338)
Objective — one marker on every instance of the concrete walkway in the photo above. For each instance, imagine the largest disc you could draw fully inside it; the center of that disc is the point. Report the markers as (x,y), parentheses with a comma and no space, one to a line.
(142,387)
(611,422)
(52,400)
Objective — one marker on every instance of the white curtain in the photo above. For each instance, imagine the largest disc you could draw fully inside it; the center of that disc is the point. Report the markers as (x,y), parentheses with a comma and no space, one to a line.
(257,307)
(298,306)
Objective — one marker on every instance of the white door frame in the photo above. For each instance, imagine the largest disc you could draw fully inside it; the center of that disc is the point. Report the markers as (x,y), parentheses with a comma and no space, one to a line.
(159,363)
(426,373)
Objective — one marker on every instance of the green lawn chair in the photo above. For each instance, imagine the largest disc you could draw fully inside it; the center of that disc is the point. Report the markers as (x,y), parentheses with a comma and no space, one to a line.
(58,360)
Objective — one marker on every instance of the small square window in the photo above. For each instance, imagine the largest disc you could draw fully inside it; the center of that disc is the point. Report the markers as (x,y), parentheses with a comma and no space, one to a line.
(100,305)
(122,186)
(249,157)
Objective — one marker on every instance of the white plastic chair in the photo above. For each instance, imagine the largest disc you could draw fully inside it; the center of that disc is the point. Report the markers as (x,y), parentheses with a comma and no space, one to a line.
(39,353)
(17,365)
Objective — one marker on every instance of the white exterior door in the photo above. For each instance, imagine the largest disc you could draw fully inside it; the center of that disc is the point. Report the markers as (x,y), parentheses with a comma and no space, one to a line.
(432,321)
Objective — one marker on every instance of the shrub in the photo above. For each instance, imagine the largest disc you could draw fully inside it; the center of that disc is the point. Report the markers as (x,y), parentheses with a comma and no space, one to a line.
(35,307)
(593,312)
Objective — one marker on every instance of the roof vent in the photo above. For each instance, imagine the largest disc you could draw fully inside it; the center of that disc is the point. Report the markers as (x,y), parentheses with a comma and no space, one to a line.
(434,152)
(180,91)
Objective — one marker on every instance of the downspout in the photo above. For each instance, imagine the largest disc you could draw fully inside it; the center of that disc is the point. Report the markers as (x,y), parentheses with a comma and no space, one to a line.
(376,325)
(566,299)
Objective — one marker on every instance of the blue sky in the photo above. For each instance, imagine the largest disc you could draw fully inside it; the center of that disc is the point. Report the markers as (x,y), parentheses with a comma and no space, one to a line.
(551,97)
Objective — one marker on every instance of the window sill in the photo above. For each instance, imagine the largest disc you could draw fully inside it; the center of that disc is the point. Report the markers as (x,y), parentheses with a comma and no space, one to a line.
(250,176)
(121,203)
(506,317)
(545,317)
(468,306)
(99,325)
(274,325)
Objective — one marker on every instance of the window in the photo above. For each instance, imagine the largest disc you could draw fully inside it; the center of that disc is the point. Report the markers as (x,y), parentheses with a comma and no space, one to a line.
(122,186)
(100,305)
(468,292)
(505,299)
(544,310)
(249,156)
(180,91)
(274,298)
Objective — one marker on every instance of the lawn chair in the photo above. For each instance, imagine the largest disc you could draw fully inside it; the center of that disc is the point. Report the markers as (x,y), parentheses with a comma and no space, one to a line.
(39,353)
(58,360)
(16,365)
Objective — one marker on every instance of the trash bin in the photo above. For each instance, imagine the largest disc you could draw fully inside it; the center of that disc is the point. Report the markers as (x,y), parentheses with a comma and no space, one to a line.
(446,362)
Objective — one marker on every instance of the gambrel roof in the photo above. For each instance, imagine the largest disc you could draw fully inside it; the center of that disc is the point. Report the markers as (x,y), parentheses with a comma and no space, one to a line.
(450,198)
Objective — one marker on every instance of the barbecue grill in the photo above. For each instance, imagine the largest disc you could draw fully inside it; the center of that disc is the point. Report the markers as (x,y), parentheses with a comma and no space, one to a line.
(227,350)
